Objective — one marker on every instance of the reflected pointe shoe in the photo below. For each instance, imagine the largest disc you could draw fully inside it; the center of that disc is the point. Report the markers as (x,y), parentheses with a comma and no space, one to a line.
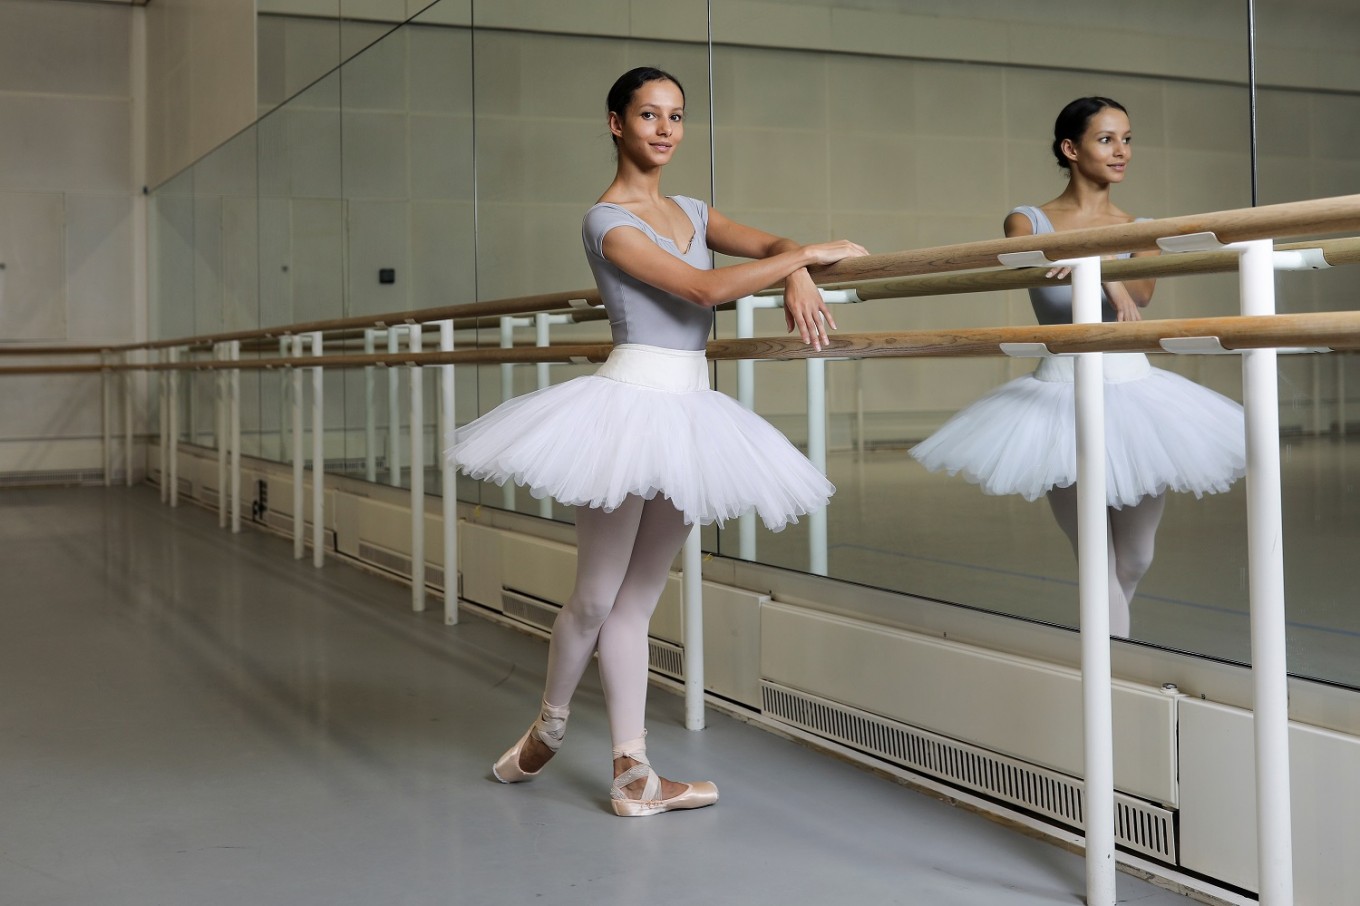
(696,795)
(549,729)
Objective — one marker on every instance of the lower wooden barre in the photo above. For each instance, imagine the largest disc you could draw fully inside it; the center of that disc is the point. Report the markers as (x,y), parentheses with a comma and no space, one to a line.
(1332,330)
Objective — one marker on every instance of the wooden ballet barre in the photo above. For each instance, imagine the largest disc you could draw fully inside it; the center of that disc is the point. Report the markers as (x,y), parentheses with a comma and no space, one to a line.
(1323,215)
(1331,330)
(1326,215)
(1335,252)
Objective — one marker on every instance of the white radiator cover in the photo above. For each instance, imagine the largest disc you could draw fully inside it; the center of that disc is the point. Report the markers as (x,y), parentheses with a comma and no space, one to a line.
(1218,803)
(1006,704)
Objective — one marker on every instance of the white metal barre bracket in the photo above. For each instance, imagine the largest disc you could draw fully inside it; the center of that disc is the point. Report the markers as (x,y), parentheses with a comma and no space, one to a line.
(1030,351)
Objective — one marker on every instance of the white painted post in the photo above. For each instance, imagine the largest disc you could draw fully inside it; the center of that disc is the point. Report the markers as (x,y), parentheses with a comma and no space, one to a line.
(220,431)
(1341,394)
(692,579)
(417,477)
(106,388)
(318,457)
(1094,591)
(507,394)
(449,486)
(1265,566)
(235,418)
(393,411)
(299,539)
(370,414)
(163,386)
(542,324)
(816,428)
(174,430)
(285,403)
(128,439)
(746,396)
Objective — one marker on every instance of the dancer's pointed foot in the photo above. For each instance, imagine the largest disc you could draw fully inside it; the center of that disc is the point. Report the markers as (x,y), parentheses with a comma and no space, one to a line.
(535,748)
(638,791)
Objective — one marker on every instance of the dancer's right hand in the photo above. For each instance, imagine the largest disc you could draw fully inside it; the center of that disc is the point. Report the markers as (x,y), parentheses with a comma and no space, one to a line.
(831,252)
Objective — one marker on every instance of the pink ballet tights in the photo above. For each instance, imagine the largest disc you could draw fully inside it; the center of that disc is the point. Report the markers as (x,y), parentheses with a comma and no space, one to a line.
(623,559)
(1133,536)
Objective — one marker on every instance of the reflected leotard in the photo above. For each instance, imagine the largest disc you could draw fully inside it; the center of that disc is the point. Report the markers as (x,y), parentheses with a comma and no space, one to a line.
(646,423)
(1162,432)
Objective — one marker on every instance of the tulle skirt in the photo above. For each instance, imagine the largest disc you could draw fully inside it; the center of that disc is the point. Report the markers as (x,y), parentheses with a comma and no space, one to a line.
(1162,433)
(646,423)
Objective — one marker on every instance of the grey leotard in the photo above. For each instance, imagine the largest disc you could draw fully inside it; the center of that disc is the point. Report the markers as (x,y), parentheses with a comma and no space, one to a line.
(1053,304)
(639,312)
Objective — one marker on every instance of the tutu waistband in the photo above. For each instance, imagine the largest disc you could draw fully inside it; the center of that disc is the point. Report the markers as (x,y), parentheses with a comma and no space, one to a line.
(1119,367)
(673,370)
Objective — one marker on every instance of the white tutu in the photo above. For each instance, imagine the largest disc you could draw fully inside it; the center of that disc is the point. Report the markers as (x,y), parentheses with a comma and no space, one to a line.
(646,423)
(1162,433)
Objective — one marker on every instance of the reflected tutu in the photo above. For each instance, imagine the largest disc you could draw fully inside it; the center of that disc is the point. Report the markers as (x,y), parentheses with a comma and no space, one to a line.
(1162,433)
(646,423)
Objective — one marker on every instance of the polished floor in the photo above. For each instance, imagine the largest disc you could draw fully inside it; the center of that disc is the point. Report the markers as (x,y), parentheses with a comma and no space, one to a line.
(190,717)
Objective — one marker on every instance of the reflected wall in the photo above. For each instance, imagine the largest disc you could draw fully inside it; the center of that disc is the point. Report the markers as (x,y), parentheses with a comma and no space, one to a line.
(460,149)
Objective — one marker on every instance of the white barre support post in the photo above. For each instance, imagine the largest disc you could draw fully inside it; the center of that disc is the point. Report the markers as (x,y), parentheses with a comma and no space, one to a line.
(220,434)
(1094,589)
(174,430)
(285,402)
(508,325)
(128,387)
(816,428)
(318,456)
(1341,395)
(106,388)
(370,415)
(417,476)
(746,396)
(299,542)
(692,588)
(449,485)
(543,323)
(163,405)
(235,420)
(1265,564)
(393,412)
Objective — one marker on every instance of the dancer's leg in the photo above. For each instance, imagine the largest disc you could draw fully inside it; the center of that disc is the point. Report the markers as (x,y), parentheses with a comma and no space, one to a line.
(604,547)
(623,638)
(1133,531)
(623,643)
(604,544)
(1063,502)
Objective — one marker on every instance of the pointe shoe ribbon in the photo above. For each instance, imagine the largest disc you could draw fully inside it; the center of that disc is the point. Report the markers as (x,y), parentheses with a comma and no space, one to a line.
(550,728)
(696,795)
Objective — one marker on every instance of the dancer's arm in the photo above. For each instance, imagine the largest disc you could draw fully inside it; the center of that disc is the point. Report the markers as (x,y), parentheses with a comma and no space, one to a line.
(1127,297)
(804,310)
(633,252)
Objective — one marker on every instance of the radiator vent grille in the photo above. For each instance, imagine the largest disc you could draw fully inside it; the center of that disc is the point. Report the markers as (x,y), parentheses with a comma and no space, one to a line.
(663,657)
(1139,826)
(185,486)
(62,477)
(528,609)
(398,563)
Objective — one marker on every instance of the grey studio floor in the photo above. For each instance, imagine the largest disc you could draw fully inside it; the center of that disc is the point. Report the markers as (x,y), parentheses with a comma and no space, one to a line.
(192,717)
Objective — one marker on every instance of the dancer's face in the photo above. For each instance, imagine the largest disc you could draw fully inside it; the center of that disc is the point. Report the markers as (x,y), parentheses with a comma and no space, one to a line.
(1105,149)
(651,128)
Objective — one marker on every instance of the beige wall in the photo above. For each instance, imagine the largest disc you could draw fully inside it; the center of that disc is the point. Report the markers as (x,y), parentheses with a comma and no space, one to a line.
(67,200)
(201,79)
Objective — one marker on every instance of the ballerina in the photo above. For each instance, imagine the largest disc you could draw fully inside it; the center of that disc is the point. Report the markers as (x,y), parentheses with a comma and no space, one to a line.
(643,448)
(1163,432)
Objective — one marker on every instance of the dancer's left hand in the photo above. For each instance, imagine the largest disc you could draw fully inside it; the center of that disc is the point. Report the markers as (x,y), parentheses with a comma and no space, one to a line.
(805,311)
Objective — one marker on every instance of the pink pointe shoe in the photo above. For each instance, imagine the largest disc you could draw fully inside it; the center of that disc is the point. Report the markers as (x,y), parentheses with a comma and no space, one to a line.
(696,795)
(549,729)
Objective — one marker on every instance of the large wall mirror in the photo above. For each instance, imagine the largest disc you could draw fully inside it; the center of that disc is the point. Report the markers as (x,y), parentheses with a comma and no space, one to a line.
(458,144)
